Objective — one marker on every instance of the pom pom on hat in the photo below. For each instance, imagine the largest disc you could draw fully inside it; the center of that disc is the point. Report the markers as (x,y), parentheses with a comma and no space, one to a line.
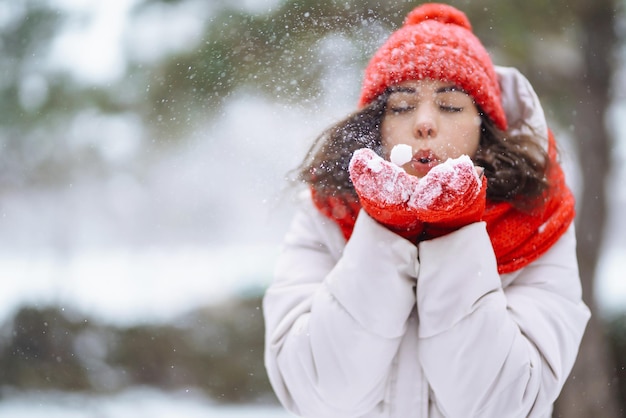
(436,41)
(439,12)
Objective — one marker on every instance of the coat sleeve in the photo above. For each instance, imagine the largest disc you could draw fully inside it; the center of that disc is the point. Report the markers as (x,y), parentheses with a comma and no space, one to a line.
(333,325)
(489,351)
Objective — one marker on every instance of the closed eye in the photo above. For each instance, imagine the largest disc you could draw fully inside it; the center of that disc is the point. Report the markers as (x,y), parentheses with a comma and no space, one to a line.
(396,110)
(450,109)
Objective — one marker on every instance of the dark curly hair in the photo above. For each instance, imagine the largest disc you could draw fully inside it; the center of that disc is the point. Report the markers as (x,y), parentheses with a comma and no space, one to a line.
(515,166)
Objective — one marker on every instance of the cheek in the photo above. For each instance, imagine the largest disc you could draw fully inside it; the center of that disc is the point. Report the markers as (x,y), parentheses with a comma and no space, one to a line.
(477,134)
(468,146)
(388,137)
(471,136)
(472,140)
(463,139)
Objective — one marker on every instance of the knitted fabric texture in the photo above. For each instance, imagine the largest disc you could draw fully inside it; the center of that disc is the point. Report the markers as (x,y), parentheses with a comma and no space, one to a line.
(518,238)
(384,190)
(450,196)
(436,42)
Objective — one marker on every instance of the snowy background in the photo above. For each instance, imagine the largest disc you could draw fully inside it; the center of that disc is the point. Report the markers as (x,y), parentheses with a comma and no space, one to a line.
(127,251)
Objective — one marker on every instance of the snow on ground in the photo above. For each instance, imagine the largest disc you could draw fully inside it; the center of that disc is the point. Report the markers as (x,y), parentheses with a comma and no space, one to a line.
(137,403)
(130,286)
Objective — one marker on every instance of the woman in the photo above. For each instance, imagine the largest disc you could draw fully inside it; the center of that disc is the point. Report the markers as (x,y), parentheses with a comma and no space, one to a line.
(447,285)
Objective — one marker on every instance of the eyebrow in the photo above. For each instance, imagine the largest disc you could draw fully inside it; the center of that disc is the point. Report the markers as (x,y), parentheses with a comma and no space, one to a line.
(411,90)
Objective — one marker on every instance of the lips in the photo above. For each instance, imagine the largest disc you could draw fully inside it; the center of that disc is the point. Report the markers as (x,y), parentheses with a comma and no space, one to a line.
(424,156)
(423,161)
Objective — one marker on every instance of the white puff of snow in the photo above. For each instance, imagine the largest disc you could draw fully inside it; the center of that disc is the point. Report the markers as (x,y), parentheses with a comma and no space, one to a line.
(401,154)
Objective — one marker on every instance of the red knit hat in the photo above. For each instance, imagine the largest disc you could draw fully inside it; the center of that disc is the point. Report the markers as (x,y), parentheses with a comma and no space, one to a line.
(436,42)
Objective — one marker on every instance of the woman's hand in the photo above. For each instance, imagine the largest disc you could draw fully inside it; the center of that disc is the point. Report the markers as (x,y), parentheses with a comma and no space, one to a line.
(451,195)
(384,190)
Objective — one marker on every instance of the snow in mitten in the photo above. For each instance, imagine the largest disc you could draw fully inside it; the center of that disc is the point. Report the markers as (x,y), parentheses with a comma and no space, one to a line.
(450,196)
(384,190)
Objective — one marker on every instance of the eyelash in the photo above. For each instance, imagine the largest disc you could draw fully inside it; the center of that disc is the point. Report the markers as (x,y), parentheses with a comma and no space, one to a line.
(403,109)
(451,109)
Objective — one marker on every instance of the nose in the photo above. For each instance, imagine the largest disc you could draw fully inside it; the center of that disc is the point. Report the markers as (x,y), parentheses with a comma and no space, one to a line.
(425,124)
(424,130)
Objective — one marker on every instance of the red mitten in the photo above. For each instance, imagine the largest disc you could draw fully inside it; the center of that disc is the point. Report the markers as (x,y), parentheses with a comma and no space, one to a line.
(384,190)
(450,196)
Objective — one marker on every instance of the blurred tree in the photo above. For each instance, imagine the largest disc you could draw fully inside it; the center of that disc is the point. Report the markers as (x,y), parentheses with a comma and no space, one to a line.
(40,352)
(276,52)
(26,32)
(592,390)
(39,104)
(617,338)
(218,350)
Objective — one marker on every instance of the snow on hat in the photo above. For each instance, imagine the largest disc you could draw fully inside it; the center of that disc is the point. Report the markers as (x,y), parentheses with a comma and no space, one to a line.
(436,42)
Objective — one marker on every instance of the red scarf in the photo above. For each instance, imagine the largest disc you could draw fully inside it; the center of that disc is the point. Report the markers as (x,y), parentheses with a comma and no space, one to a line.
(518,238)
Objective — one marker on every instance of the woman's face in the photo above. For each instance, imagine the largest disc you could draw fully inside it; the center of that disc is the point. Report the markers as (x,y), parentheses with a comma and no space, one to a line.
(436,118)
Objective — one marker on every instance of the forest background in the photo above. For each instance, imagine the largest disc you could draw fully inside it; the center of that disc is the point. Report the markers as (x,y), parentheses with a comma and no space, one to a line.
(145,147)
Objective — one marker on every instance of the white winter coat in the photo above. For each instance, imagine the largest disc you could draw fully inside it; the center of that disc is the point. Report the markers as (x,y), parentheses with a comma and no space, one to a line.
(379,327)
